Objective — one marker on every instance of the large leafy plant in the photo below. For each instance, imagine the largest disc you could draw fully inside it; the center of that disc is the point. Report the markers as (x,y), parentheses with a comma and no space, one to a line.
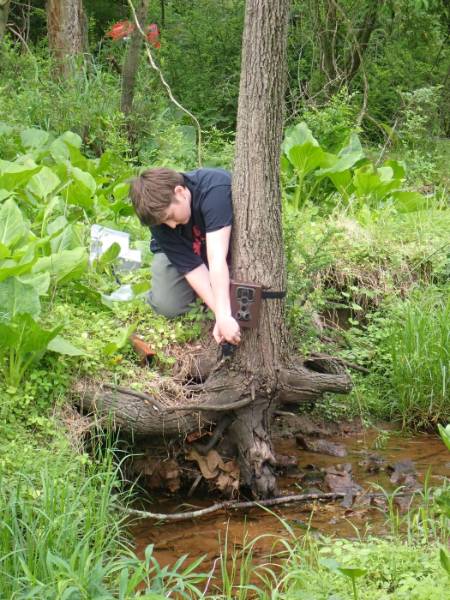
(310,172)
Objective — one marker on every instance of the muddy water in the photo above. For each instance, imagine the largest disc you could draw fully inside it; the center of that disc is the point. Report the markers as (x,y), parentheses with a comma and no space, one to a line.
(206,535)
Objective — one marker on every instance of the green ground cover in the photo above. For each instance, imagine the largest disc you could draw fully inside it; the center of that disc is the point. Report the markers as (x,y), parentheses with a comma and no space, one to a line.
(368,255)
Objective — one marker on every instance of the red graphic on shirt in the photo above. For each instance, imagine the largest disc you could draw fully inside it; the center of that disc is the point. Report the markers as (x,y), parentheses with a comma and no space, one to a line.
(199,238)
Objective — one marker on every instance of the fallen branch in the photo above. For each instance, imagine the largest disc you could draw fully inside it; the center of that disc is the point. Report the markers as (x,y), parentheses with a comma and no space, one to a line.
(229,505)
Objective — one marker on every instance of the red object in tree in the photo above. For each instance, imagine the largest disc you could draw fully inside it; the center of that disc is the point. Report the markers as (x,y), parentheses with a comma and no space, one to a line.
(153,35)
(123,29)
(120,30)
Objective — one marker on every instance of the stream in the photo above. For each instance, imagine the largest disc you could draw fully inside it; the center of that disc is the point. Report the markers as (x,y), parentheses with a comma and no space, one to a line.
(373,459)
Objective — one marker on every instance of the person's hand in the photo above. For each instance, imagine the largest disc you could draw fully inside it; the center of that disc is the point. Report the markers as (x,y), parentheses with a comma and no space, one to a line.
(227,329)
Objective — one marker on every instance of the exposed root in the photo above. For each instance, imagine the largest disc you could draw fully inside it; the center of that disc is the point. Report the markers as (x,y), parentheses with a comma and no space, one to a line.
(308,380)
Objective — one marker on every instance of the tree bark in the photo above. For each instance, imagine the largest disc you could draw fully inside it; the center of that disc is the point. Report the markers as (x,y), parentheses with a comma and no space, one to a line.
(241,392)
(131,63)
(4,12)
(257,247)
(66,29)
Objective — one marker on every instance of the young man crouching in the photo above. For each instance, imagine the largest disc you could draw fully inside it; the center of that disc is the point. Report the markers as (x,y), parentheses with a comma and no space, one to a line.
(190,217)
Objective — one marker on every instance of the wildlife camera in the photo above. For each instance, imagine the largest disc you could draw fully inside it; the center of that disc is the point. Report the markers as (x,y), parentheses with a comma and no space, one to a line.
(245,303)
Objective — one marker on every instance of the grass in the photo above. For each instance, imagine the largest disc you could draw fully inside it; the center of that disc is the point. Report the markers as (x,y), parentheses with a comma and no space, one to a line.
(418,345)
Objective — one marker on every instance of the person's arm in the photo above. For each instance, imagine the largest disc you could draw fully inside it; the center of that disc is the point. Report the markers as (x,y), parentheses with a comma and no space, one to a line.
(217,244)
(199,281)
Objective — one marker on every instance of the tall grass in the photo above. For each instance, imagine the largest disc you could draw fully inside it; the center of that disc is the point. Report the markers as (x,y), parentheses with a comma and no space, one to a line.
(419,348)
(57,536)
(62,538)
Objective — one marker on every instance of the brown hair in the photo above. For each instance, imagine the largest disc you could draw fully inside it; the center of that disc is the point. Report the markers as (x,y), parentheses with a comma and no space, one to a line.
(152,192)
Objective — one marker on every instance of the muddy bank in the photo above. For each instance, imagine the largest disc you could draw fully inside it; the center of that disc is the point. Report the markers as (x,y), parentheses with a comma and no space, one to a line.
(316,458)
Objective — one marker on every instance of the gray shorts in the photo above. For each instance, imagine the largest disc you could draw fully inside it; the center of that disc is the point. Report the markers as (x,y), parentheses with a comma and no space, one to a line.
(171,295)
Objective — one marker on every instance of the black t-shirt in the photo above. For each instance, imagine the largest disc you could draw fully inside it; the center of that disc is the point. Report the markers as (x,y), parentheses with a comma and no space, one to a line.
(211,209)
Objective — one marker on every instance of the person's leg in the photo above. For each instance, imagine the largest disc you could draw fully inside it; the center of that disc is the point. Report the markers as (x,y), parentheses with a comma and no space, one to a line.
(170,294)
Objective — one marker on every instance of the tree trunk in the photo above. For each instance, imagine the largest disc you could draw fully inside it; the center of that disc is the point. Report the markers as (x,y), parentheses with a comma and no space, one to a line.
(131,62)
(66,27)
(239,394)
(4,12)
(257,247)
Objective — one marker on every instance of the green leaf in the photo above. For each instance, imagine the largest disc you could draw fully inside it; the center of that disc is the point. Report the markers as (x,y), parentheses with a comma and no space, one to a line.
(407,202)
(71,139)
(59,151)
(398,168)
(445,560)
(17,297)
(13,268)
(5,129)
(12,224)
(4,251)
(4,194)
(62,346)
(121,340)
(34,138)
(14,174)
(64,236)
(108,257)
(121,190)
(298,135)
(40,281)
(43,183)
(63,266)
(352,572)
(82,188)
(347,157)
(445,434)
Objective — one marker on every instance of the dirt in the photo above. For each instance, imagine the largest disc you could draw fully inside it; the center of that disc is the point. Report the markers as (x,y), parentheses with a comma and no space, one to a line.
(402,461)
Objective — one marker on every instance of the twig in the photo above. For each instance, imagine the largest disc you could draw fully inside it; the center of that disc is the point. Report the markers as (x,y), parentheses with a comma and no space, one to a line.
(229,505)
(166,85)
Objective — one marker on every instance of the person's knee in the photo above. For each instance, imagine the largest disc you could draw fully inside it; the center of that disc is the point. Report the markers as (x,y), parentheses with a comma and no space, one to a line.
(165,307)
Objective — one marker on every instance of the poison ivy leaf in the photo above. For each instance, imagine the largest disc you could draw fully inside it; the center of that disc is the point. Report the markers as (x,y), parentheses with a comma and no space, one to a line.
(63,266)
(17,297)
(12,224)
(43,183)
(63,346)
(34,138)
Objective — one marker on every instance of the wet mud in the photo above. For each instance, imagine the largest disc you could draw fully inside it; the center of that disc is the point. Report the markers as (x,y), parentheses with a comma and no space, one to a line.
(365,460)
